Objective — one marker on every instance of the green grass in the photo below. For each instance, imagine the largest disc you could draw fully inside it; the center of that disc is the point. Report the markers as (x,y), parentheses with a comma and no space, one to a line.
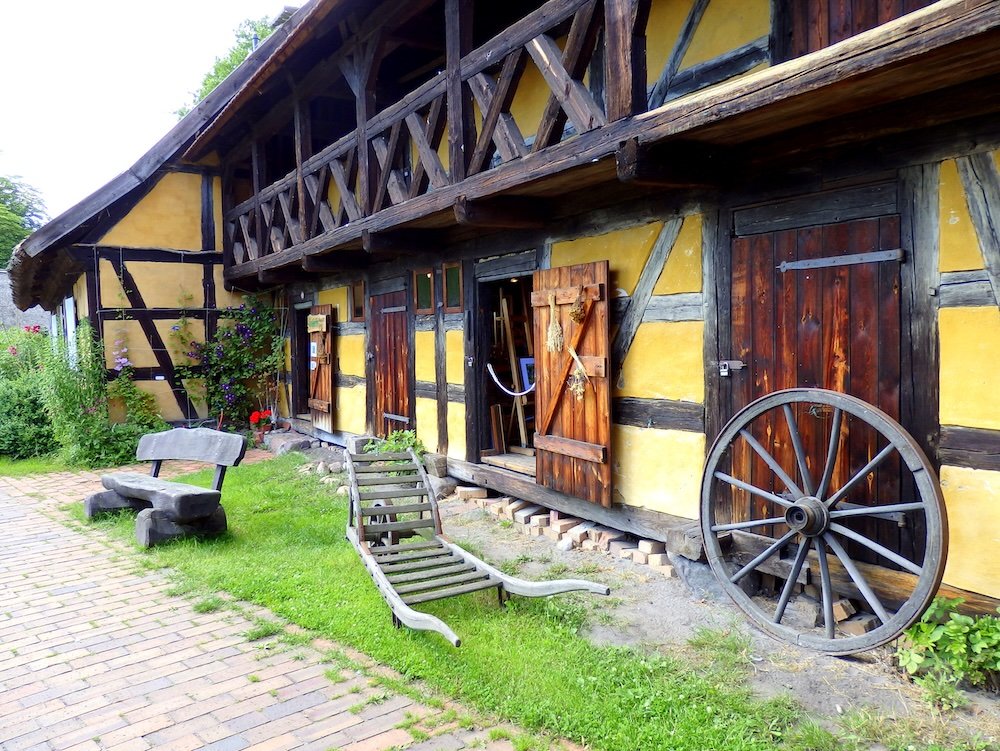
(523,663)
(36,465)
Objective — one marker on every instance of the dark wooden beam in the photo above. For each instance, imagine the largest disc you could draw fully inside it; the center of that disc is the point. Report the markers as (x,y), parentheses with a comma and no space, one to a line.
(976,448)
(341,260)
(504,212)
(461,126)
(284,275)
(360,70)
(625,57)
(399,242)
(675,165)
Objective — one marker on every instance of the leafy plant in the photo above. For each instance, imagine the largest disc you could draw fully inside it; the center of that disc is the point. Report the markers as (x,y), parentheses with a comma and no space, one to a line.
(25,429)
(946,648)
(398,441)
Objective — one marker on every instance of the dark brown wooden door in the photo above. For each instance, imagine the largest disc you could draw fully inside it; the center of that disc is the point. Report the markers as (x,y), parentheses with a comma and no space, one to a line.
(390,343)
(321,356)
(573,410)
(827,326)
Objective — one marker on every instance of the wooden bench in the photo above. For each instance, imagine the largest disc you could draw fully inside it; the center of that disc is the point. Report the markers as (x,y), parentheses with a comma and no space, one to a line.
(168,510)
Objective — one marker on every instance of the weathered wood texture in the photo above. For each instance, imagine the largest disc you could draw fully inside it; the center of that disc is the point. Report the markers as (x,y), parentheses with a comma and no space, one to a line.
(390,346)
(981,180)
(321,368)
(573,430)
(975,448)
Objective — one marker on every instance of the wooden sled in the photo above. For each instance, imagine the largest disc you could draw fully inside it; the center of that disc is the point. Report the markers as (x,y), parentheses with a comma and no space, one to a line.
(394,524)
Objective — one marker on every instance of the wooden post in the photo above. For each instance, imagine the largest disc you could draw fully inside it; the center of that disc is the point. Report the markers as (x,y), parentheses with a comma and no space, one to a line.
(303,150)
(625,57)
(257,177)
(461,129)
(360,71)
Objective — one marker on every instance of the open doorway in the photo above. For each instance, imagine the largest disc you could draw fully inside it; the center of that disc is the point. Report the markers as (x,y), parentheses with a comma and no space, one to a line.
(507,421)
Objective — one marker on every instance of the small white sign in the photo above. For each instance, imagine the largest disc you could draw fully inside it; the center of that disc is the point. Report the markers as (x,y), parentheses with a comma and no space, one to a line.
(312,365)
(313,351)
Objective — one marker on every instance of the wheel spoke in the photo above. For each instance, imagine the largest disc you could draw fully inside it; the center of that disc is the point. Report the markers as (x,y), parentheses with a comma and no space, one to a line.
(862,584)
(831,453)
(880,549)
(893,508)
(771,462)
(800,452)
(749,524)
(753,489)
(827,585)
(861,475)
(771,550)
(786,591)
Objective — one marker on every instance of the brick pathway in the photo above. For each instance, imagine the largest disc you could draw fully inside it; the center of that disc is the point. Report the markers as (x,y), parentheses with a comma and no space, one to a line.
(95,655)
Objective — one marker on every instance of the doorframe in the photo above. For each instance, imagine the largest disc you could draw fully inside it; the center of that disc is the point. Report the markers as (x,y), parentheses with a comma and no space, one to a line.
(299,365)
(916,204)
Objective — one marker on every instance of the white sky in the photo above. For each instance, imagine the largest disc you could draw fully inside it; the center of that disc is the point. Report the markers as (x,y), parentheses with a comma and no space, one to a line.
(88,86)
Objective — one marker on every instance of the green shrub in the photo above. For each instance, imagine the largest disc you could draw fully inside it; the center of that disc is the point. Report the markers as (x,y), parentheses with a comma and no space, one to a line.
(25,429)
(22,351)
(397,441)
(946,648)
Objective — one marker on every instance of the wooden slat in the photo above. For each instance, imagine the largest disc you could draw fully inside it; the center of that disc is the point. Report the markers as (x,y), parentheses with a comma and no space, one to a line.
(379,480)
(446,559)
(374,457)
(440,594)
(590,452)
(578,103)
(444,581)
(568,295)
(372,469)
(413,508)
(430,573)
(419,132)
(404,546)
(415,555)
(392,493)
(407,526)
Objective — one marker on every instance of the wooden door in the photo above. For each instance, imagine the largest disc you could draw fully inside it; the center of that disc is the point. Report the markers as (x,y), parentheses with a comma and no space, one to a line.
(798,319)
(390,344)
(573,411)
(321,365)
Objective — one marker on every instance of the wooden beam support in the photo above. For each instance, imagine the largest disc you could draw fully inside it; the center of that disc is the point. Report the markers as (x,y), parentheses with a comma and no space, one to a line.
(678,164)
(360,70)
(283,275)
(981,181)
(341,260)
(398,242)
(461,126)
(625,57)
(504,212)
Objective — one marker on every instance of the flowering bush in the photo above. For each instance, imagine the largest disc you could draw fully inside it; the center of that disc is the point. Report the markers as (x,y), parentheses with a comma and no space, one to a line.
(261,419)
(239,365)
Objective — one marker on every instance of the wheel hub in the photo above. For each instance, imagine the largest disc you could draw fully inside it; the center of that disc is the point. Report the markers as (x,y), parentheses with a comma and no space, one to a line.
(809,516)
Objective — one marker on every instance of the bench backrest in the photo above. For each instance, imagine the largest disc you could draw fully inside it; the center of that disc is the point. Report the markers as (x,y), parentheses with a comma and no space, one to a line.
(193,444)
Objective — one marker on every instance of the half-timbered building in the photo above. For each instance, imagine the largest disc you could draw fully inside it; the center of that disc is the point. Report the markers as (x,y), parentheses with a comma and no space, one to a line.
(655,211)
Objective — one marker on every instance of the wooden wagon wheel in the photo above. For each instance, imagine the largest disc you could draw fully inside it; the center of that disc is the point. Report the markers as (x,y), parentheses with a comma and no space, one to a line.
(796,522)
(383,538)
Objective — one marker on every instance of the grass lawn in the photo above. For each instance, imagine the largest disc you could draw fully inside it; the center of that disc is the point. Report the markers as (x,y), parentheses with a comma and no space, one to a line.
(34,466)
(525,663)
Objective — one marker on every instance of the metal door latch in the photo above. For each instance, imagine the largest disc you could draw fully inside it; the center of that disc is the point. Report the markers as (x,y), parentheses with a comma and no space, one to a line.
(726,367)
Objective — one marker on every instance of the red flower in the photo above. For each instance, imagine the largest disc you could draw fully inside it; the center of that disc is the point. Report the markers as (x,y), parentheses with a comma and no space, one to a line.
(254,417)
(266,414)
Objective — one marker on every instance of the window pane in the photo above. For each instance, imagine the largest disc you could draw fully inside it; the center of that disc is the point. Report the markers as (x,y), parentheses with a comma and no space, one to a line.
(358,300)
(425,290)
(453,286)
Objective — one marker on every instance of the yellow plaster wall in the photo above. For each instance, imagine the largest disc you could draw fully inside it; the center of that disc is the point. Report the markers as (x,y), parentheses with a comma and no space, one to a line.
(454,342)
(166,403)
(337,297)
(959,244)
(349,413)
(529,100)
(665,20)
(140,352)
(223,298)
(427,425)
(657,469)
(726,25)
(351,354)
(169,216)
(112,292)
(456,430)
(167,285)
(80,297)
(682,271)
(665,362)
(626,249)
(973,500)
(970,344)
(423,357)
(217,210)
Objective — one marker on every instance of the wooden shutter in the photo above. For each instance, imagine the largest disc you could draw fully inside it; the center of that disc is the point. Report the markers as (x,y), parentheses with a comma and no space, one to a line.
(572,430)
(321,365)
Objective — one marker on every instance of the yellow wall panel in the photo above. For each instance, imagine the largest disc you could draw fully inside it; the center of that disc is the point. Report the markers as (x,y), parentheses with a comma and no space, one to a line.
(626,249)
(427,422)
(665,20)
(665,362)
(112,292)
(169,285)
(530,99)
(726,25)
(349,410)
(223,298)
(657,469)
(169,216)
(454,342)
(682,271)
(177,354)
(456,430)
(970,344)
(351,354)
(423,357)
(337,297)
(81,298)
(166,402)
(973,500)
(959,244)
(118,334)
(217,210)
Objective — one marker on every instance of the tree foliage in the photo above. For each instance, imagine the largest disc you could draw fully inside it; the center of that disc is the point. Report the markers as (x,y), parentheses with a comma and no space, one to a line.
(21,212)
(226,64)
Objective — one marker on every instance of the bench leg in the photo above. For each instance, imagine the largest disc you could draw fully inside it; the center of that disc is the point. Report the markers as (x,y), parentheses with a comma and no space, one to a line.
(104,502)
(153,527)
